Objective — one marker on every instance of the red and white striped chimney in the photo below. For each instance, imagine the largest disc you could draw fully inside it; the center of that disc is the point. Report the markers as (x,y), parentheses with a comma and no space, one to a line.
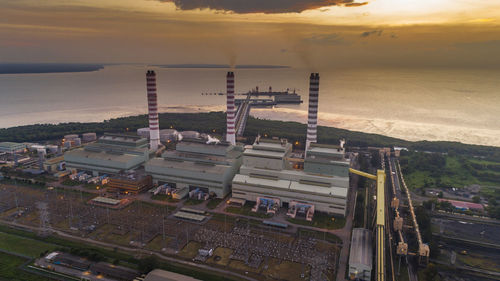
(312,121)
(230,133)
(154,127)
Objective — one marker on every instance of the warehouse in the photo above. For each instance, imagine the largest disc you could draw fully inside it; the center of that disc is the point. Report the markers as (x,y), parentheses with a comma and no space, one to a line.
(360,259)
(12,147)
(267,176)
(197,166)
(110,154)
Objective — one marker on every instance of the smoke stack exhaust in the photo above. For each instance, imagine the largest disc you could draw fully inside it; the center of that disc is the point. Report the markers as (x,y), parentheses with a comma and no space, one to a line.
(312,121)
(230,133)
(154,127)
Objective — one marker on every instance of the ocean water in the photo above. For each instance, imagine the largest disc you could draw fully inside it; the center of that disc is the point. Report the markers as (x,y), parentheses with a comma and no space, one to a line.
(414,104)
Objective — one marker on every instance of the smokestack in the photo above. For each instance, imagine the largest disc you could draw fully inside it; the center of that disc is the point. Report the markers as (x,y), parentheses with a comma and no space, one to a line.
(154,127)
(312,121)
(230,133)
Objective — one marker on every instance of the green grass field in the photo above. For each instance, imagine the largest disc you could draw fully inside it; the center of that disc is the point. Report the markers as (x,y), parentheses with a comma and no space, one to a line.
(10,269)
(214,203)
(24,246)
(321,220)
(423,171)
(246,210)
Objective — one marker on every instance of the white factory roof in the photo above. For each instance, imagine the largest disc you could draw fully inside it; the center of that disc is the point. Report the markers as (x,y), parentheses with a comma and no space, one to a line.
(264,153)
(188,166)
(327,150)
(106,200)
(284,184)
(102,156)
(335,191)
(361,247)
(189,216)
(292,186)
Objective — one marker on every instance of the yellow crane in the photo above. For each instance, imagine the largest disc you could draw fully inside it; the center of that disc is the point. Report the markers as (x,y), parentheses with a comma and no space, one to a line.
(380,179)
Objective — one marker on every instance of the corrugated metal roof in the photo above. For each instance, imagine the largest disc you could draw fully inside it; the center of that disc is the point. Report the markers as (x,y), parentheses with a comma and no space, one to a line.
(361,247)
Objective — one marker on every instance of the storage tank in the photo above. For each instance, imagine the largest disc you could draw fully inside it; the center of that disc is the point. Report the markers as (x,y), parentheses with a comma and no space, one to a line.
(52,148)
(35,147)
(70,137)
(41,152)
(77,141)
(168,135)
(190,134)
(143,132)
(67,144)
(88,137)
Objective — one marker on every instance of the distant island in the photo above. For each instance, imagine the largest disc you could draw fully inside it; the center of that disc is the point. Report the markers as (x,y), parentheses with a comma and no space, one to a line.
(239,66)
(30,68)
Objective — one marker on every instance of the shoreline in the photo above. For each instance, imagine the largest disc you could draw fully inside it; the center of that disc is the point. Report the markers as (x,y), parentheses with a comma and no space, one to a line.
(405,130)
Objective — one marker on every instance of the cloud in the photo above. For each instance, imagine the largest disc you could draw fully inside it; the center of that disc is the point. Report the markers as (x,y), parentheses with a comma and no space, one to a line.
(260,6)
(325,39)
(370,33)
(354,4)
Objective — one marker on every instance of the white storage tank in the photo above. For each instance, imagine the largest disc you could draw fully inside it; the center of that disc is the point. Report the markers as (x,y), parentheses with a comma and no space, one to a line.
(36,147)
(52,148)
(167,135)
(77,141)
(70,137)
(41,151)
(143,132)
(190,134)
(88,137)
(67,144)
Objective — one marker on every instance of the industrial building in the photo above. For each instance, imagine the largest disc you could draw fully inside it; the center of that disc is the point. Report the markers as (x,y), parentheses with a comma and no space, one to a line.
(197,166)
(110,154)
(54,165)
(12,147)
(133,182)
(267,177)
(360,259)
(166,135)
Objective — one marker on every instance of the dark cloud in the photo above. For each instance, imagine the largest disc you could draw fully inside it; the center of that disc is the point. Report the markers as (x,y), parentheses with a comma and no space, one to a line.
(354,4)
(325,39)
(260,6)
(373,32)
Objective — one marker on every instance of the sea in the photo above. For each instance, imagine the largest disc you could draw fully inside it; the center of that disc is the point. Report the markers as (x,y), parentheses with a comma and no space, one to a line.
(414,104)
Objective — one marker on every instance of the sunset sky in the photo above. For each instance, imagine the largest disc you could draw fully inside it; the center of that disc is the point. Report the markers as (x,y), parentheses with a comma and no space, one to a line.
(301,33)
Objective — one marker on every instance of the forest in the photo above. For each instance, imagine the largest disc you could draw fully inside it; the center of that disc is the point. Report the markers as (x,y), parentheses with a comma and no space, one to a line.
(215,123)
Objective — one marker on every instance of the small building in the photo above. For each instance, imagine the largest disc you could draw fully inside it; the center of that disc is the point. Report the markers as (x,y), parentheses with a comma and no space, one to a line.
(464,206)
(360,257)
(113,271)
(54,165)
(110,154)
(134,182)
(196,165)
(12,147)
(106,201)
(68,260)
(162,275)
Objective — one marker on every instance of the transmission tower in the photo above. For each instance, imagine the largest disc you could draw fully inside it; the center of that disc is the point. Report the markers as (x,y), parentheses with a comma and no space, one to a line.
(44,217)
